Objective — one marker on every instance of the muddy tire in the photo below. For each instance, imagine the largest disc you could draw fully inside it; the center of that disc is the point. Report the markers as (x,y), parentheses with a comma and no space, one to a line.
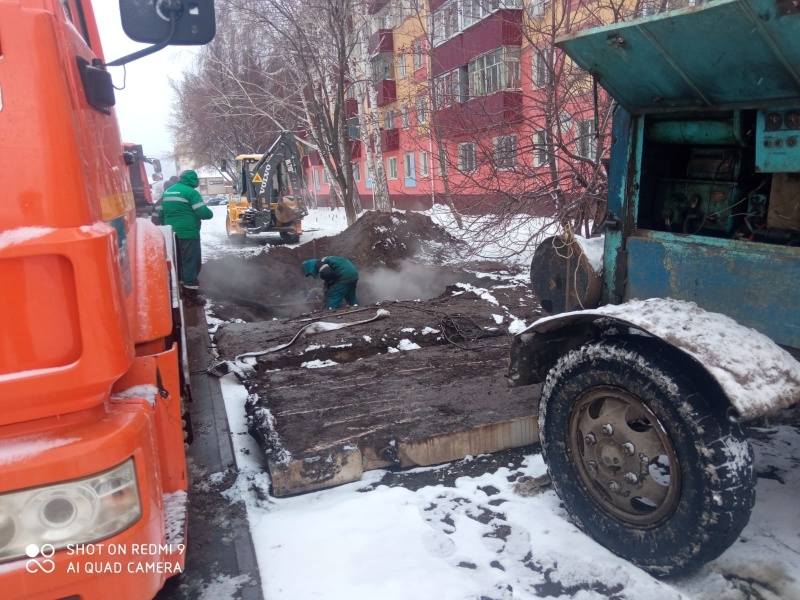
(645,461)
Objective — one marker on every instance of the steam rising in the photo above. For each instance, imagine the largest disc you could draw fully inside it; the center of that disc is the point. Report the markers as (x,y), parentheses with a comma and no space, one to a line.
(410,282)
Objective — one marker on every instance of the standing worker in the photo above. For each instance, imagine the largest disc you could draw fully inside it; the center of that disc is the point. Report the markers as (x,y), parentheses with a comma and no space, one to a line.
(340,277)
(182,208)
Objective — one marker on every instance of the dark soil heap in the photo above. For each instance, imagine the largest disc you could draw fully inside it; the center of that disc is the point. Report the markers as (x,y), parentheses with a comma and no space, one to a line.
(272,283)
(386,239)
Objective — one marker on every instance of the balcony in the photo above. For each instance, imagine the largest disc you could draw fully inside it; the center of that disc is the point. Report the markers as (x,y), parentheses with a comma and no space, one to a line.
(503,28)
(481,114)
(390,140)
(386,91)
(381,41)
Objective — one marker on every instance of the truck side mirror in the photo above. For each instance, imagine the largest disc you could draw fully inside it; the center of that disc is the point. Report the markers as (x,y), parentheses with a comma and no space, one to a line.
(148,22)
(224,167)
(156,165)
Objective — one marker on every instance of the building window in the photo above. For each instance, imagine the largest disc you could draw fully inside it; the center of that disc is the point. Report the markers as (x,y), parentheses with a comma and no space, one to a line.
(475,10)
(537,8)
(391,167)
(315,178)
(325,176)
(383,66)
(542,68)
(423,164)
(418,57)
(388,119)
(422,111)
(467,162)
(401,65)
(404,117)
(586,142)
(351,92)
(541,155)
(451,87)
(408,166)
(383,19)
(505,151)
(356,171)
(498,70)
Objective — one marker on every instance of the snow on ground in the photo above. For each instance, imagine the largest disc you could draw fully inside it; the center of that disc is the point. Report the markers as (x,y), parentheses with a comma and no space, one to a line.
(487,537)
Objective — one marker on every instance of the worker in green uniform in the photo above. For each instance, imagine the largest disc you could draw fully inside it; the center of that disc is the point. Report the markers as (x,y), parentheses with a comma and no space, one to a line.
(183,209)
(340,277)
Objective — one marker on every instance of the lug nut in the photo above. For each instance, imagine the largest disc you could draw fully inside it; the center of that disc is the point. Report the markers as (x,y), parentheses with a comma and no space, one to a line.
(590,440)
(631,478)
(645,460)
(592,467)
(614,487)
(607,429)
(628,449)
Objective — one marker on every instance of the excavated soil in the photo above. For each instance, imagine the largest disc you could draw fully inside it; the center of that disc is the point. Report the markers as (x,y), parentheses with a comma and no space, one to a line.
(431,363)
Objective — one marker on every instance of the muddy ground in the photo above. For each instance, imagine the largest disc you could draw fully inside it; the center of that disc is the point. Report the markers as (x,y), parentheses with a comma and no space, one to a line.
(430,359)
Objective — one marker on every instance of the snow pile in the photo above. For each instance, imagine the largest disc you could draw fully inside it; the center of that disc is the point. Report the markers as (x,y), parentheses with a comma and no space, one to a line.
(482,293)
(318,364)
(593,251)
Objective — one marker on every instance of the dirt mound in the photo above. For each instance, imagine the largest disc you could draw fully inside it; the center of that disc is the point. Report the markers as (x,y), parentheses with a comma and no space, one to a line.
(382,239)
(399,256)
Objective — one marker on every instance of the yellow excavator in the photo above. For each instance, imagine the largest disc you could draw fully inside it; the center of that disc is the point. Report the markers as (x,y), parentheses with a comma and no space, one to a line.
(271,191)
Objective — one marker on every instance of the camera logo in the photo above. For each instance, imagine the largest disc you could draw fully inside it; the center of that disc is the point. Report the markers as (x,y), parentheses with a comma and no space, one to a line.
(43,563)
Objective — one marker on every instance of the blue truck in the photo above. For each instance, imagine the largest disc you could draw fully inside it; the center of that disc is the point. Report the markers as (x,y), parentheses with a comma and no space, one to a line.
(644,398)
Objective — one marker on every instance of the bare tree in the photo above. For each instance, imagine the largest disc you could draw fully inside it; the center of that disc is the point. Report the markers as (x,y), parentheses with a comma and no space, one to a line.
(208,122)
(363,90)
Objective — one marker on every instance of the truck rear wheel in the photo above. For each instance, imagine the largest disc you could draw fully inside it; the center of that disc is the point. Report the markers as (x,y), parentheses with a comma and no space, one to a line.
(645,461)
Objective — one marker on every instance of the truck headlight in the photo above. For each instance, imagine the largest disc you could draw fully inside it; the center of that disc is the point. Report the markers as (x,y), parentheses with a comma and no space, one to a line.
(76,512)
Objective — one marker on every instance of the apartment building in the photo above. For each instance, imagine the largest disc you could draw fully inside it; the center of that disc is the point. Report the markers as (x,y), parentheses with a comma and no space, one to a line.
(474,101)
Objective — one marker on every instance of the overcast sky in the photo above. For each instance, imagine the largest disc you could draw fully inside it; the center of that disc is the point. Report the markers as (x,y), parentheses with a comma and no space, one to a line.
(144,106)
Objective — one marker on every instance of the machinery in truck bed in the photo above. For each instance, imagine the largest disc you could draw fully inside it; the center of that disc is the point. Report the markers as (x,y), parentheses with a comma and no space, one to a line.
(642,402)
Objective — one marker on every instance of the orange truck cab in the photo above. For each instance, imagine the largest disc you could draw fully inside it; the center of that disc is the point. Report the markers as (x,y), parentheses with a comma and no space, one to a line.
(92,467)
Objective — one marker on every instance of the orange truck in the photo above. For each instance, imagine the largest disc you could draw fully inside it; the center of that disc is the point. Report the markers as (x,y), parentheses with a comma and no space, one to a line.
(92,468)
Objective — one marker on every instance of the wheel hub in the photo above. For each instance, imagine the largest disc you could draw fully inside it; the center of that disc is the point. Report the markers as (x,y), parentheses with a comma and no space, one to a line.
(611,456)
(623,456)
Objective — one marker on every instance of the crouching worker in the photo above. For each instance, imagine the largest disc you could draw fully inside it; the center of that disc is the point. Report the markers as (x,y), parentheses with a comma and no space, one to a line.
(182,208)
(340,277)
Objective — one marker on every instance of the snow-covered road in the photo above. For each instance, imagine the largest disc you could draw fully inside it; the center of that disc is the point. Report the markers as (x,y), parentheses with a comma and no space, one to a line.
(481,539)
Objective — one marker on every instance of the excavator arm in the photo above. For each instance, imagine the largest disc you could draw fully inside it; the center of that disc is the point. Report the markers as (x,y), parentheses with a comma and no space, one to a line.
(279,175)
